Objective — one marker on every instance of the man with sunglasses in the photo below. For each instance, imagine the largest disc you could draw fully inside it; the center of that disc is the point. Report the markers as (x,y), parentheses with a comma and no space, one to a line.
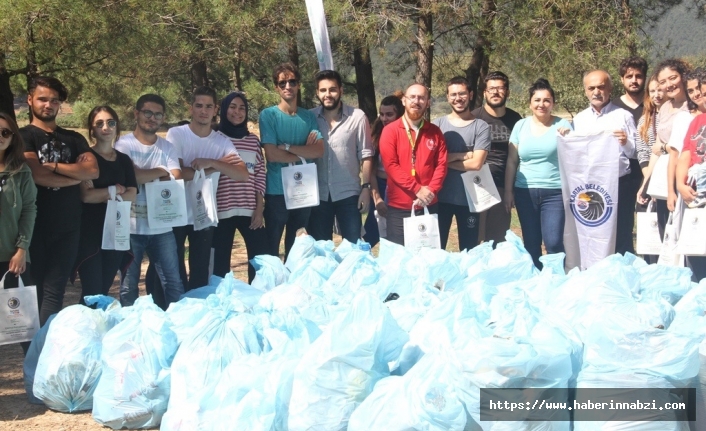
(154,158)
(348,152)
(286,133)
(59,159)
(495,222)
(200,147)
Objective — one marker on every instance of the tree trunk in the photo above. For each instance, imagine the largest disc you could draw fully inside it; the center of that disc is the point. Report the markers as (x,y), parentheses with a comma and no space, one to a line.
(237,76)
(293,52)
(365,87)
(199,74)
(425,49)
(627,22)
(31,70)
(7,99)
(478,68)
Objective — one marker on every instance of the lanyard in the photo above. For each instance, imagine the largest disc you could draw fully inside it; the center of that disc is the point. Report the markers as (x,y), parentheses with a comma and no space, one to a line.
(412,142)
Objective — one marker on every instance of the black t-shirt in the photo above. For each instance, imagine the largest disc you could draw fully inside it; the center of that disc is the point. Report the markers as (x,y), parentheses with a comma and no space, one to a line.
(120,171)
(636,112)
(58,209)
(500,129)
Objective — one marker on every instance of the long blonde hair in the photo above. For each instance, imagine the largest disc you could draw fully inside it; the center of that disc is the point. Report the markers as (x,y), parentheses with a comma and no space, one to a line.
(649,112)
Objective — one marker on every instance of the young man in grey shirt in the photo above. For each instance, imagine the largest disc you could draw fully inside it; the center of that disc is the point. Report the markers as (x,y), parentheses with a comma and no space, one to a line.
(467,142)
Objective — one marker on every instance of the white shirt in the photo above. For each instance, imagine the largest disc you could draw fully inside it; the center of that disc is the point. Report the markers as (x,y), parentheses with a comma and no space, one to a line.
(680,127)
(190,146)
(611,118)
(161,154)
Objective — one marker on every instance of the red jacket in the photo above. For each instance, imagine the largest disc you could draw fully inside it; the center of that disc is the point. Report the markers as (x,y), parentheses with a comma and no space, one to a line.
(430,165)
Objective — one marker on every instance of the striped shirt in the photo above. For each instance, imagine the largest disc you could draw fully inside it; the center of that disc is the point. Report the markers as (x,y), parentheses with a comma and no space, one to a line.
(644,149)
(237,198)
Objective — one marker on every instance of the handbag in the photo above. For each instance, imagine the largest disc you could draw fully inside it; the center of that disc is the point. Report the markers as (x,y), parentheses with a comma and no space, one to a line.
(301,185)
(421,231)
(19,312)
(649,241)
(668,255)
(201,201)
(658,187)
(166,203)
(480,188)
(692,236)
(116,226)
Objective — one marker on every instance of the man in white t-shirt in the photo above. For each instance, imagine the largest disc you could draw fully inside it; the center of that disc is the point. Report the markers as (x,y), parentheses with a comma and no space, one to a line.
(200,147)
(154,159)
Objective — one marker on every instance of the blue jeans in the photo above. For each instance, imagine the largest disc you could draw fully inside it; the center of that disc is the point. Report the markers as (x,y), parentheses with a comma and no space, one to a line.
(541,213)
(162,251)
(277,218)
(345,211)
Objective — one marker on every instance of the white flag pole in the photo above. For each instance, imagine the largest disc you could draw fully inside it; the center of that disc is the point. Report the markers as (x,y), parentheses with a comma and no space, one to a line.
(317,20)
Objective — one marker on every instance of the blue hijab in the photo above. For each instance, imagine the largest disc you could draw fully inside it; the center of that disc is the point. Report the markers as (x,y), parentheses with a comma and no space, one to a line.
(235,131)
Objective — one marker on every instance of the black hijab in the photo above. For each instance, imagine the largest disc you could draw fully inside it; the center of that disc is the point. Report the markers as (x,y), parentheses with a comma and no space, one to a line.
(235,131)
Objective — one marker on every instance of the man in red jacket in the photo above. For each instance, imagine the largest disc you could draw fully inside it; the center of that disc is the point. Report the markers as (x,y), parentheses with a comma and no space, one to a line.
(414,155)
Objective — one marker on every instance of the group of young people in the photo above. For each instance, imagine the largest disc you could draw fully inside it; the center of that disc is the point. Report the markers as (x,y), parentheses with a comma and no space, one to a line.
(54,186)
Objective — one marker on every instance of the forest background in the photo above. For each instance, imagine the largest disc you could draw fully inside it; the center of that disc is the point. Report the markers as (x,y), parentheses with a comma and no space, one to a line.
(112,51)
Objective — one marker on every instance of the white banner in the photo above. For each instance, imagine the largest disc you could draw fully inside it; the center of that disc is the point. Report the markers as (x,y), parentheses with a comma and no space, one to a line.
(589,180)
(317,21)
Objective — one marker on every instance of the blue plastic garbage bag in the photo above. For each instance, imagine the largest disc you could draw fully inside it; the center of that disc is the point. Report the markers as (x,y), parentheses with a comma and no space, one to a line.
(509,262)
(220,336)
(29,365)
(358,270)
(302,250)
(134,387)
(670,282)
(270,272)
(314,274)
(425,398)
(69,365)
(340,369)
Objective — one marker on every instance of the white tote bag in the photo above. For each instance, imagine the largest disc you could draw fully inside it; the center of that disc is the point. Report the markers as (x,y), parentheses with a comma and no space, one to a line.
(692,236)
(649,242)
(301,185)
(116,226)
(166,203)
(422,231)
(669,256)
(481,192)
(19,313)
(658,187)
(201,201)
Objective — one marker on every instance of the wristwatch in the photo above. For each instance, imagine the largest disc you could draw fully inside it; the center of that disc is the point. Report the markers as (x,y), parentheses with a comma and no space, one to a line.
(366,186)
(287,147)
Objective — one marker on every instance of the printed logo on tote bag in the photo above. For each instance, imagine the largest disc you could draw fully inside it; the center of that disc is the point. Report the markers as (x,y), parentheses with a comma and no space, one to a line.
(591,205)
(297,176)
(422,227)
(13,303)
(166,194)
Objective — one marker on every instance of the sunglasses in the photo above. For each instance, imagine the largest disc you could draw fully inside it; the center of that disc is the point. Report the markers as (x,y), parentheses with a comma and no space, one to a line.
(149,114)
(291,82)
(6,133)
(111,123)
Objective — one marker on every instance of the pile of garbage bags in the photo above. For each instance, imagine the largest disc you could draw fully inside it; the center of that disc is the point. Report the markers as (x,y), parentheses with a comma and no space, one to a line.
(336,339)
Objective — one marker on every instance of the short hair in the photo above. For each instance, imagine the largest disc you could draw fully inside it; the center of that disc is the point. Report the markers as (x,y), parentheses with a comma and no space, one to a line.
(92,116)
(204,91)
(638,63)
(331,75)
(675,64)
(15,153)
(285,68)
(428,91)
(610,80)
(497,76)
(48,82)
(541,84)
(458,80)
(154,98)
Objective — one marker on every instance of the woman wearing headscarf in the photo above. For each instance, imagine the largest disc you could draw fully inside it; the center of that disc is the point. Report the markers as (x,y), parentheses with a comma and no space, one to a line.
(240,204)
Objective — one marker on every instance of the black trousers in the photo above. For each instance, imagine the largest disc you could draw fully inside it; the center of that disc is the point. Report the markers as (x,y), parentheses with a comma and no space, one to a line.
(53,255)
(199,255)
(97,272)
(627,196)
(467,223)
(255,243)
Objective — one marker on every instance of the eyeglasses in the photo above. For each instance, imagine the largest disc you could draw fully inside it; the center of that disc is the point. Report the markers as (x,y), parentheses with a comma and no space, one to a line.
(6,133)
(149,114)
(291,82)
(111,123)
(417,98)
(495,89)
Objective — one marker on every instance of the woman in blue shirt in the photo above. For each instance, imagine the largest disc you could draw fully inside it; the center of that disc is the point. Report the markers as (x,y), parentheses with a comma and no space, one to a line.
(532,180)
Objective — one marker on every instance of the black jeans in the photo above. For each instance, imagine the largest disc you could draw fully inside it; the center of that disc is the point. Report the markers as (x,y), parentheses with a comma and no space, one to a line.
(277,218)
(199,255)
(372,233)
(628,186)
(11,279)
(466,222)
(345,211)
(395,221)
(97,272)
(53,255)
(255,243)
